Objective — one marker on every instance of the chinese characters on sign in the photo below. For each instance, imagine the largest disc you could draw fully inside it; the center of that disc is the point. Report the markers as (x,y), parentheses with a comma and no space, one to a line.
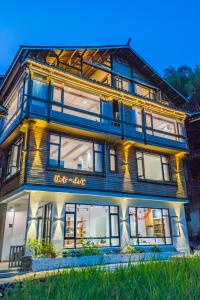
(64,179)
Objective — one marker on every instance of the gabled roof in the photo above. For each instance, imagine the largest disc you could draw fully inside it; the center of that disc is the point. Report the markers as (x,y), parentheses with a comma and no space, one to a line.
(141,64)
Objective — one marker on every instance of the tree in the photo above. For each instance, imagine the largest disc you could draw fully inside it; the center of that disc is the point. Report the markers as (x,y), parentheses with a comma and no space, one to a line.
(187,81)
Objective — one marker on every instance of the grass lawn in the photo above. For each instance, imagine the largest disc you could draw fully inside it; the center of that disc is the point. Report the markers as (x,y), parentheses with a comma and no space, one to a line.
(176,279)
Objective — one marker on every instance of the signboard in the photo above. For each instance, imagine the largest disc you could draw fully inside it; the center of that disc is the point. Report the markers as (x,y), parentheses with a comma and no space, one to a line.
(65,179)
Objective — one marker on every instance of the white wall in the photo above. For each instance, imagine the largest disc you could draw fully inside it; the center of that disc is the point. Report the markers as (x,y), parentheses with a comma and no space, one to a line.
(59,199)
(15,228)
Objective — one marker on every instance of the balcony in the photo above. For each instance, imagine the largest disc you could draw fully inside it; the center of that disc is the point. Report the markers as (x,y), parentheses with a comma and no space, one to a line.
(95,120)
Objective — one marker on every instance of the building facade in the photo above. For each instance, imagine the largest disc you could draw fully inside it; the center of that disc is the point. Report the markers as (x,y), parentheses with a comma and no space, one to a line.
(93,149)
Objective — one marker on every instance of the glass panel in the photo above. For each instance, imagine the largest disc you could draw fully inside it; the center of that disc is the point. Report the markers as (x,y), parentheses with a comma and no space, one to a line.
(114,225)
(70,207)
(134,241)
(98,162)
(175,226)
(151,241)
(153,168)
(83,101)
(140,168)
(57,108)
(164,125)
(112,163)
(39,89)
(149,222)
(98,147)
(115,242)
(57,94)
(69,225)
(138,121)
(181,131)
(132,214)
(168,241)
(69,243)
(92,221)
(76,154)
(166,226)
(54,139)
(54,154)
(113,209)
(14,158)
(166,172)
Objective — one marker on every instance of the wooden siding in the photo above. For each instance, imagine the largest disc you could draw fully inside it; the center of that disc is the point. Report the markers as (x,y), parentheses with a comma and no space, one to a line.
(125,180)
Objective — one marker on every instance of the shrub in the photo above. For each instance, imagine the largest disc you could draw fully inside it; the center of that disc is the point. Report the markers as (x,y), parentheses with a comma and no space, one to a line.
(41,248)
(89,248)
(131,250)
(65,252)
(156,249)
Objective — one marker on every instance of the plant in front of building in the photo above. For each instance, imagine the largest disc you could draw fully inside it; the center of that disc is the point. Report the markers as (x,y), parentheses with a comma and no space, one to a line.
(39,248)
(131,250)
(65,253)
(89,248)
(155,249)
(174,279)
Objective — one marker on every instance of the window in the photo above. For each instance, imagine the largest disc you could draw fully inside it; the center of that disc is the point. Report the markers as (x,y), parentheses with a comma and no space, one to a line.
(149,226)
(75,154)
(122,84)
(152,166)
(99,224)
(137,119)
(164,127)
(79,103)
(44,222)
(14,105)
(112,159)
(115,109)
(147,92)
(14,158)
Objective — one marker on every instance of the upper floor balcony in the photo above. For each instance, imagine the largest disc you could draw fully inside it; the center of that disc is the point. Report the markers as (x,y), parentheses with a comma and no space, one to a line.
(55,102)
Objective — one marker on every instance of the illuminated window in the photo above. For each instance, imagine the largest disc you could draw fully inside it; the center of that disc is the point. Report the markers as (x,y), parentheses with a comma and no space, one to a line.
(77,103)
(75,154)
(153,166)
(149,226)
(14,158)
(93,223)
(164,127)
(113,159)
(122,84)
(147,92)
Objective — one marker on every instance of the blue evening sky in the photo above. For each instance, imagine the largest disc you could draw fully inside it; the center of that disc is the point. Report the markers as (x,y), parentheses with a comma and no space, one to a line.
(164,32)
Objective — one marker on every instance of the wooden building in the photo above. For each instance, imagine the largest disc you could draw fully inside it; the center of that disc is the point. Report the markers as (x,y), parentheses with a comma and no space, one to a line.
(93,148)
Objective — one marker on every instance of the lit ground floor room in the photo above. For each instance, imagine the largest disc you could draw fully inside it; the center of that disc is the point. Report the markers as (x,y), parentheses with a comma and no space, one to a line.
(69,219)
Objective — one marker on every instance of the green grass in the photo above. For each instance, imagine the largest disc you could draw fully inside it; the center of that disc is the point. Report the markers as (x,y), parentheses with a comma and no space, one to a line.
(176,279)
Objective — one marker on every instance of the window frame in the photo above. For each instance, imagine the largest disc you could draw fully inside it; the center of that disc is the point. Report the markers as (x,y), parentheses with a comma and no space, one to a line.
(153,237)
(110,214)
(58,166)
(170,181)
(115,155)
(19,143)
(177,137)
